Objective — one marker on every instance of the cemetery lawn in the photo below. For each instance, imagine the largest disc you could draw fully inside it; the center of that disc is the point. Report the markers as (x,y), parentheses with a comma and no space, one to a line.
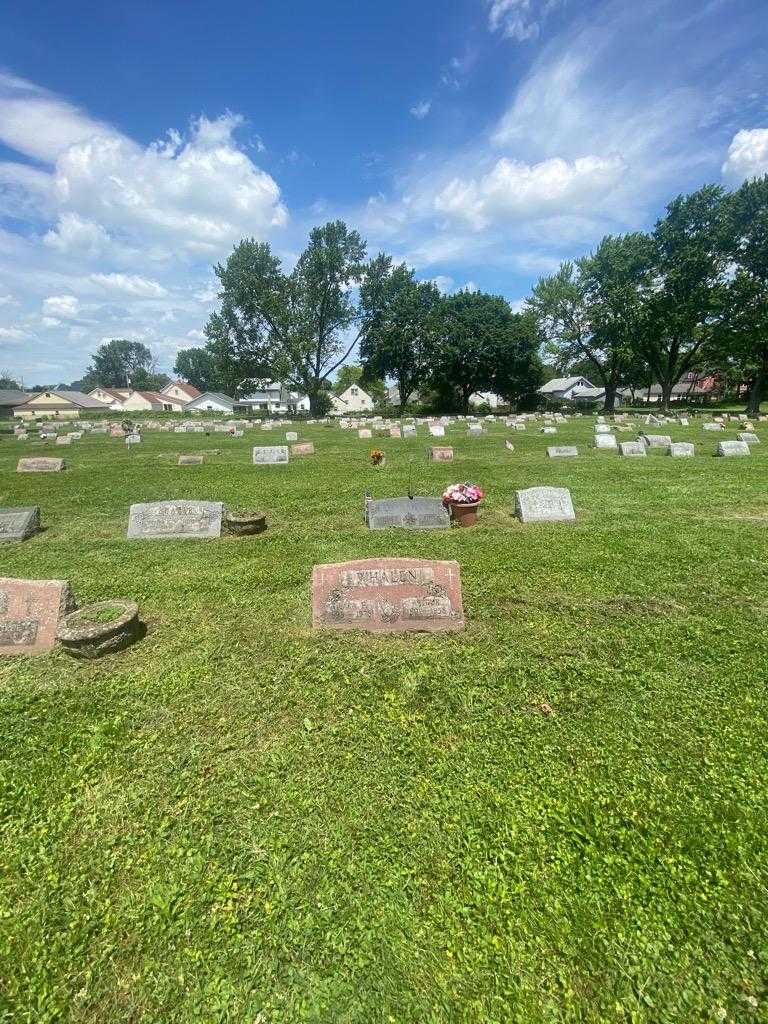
(558,815)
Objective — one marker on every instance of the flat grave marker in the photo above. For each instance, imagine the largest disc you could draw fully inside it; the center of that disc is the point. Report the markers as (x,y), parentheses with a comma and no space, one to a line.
(440,453)
(388,595)
(19,523)
(175,520)
(291,435)
(191,460)
(632,449)
(562,451)
(270,455)
(748,438)
(656,440)
(681,450)
(40,465)
(364,434)
(732,448)
(544,505)
(303,448)
(605,441)
(29,614)
(407,513)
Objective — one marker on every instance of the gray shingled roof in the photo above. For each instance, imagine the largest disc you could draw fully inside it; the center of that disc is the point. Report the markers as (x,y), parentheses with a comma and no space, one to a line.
(13,397)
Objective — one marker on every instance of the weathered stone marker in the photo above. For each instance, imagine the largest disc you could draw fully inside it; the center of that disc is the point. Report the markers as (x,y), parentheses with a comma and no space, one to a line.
(291,435)
(133,438)
(407,513)
(29,614)
(395,432)
(681,450)
(713,426)
(602,428)
(656,440)
(544,505)
(191,460)
(388,595)
(548,430)
(605,441)
(440,454)
(730,448)
(748,438)
(631,449)
(40,465)
(304,448)
(563,451)
(19,523)
(437,430)
(169,520)
(364,434)
(270,455)
(409,430)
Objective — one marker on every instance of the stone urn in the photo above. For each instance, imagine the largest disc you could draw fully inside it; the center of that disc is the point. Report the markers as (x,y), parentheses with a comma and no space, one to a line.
(464,513)
(100,628)
(245,524)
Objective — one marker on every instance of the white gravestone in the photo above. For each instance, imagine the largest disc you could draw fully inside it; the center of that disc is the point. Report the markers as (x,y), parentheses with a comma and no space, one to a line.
(632,448)
(681,450)
(562,452)
(749,438)
(605,441)
(544,505)
(271,455)
(729,448)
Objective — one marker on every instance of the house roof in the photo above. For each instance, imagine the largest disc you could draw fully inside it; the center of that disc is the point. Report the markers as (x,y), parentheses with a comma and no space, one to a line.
(182,385)
(69,398)
(215,395)
(561,384)
(11,397)
(580,392)
(117,393)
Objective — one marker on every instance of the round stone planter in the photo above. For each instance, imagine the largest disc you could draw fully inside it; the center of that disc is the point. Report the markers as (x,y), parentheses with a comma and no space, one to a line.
(245,524)
(85,639)
(464,514)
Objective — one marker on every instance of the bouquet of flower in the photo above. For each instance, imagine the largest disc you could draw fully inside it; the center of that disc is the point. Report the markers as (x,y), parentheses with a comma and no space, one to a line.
(463,494)
(377,457)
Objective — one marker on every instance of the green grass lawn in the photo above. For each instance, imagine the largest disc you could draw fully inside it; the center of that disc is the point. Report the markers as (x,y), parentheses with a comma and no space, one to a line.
(239,819)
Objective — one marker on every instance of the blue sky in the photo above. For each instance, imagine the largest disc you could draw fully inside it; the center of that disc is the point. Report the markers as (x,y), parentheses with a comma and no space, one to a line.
(482,141)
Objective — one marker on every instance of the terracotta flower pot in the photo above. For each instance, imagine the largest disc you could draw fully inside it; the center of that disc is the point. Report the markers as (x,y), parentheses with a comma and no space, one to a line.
(464,513)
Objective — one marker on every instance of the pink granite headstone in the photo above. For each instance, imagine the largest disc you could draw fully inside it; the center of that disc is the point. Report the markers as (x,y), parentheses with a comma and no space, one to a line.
(29,614)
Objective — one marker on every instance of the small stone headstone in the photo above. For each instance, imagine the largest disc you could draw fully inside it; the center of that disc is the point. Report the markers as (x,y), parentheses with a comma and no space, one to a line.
(191,460)
(602,428)
(409,431)
(544,505)
(291,435)
(392,595)
(304,448)
(683,421)
(749,438)
(519,426)
(364,434)
(395,432)
(19,523)
(64,439)
(652,421)
(475,430)
(437,430)
(632,449)
(656,440)
(729,448)
(29,614)
(40,465)
(713,426)
(172,520)
(604,441)
(681,450)
(562,452)
(407,513)
(548,430)
(270,456)
(440,454)
(133,438)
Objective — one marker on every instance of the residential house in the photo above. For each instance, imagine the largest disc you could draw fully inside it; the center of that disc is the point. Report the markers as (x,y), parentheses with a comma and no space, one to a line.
(273,398)
(211,401)
(486,398)
(353,400)
(181,390)
(59,404)
(571,389)
(9,399)
(151,401)
(113,397)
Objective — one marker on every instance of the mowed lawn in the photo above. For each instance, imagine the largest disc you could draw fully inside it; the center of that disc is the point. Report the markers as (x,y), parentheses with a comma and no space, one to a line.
(239,819)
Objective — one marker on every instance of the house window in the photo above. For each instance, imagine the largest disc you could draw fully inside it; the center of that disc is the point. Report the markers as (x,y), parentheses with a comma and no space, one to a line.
(167,408)
(354,391)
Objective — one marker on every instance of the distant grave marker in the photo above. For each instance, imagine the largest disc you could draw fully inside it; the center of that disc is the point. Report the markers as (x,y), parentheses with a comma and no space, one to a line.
(605,441)
(732,448)
(437,430)
(544,505)
(388,595)
(440,453)
(29,614)
(562,452)
(364,434)
(304,448)
(291,435)
(548,430)
(748,438)
(632,449)
(169,520)
(191,460)
(681,450)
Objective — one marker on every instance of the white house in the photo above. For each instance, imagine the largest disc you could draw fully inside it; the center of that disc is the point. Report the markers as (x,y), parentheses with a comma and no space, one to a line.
(274,398)
(128,400)
(571,389)
(113,397)
(211,401)
(354,399)
(486,398)
(180,390)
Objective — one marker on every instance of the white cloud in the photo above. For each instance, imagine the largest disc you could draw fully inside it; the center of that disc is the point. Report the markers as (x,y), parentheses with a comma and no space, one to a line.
(73,234)
(66,306)
(129,284)
(747,154)
(513,189)
(443,283)
(420,110)
(11,334)
(6,300)
(518,19)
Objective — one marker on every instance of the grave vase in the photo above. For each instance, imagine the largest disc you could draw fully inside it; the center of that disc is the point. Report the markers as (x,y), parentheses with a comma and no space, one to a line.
(464,513)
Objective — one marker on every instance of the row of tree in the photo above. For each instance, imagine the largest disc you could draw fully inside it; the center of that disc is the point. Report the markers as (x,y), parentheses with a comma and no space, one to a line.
(691,294)
(643,307)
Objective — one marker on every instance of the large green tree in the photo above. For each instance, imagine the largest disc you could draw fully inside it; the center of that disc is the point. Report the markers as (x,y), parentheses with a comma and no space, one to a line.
(121,364)
(482,345)
(746,329)
(300,327)
(589,312)
(401,338)
(684,311)
(198,366)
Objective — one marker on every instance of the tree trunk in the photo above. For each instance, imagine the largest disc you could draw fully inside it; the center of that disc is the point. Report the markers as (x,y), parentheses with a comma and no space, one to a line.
(666,395)
(756,391)
(609,403)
